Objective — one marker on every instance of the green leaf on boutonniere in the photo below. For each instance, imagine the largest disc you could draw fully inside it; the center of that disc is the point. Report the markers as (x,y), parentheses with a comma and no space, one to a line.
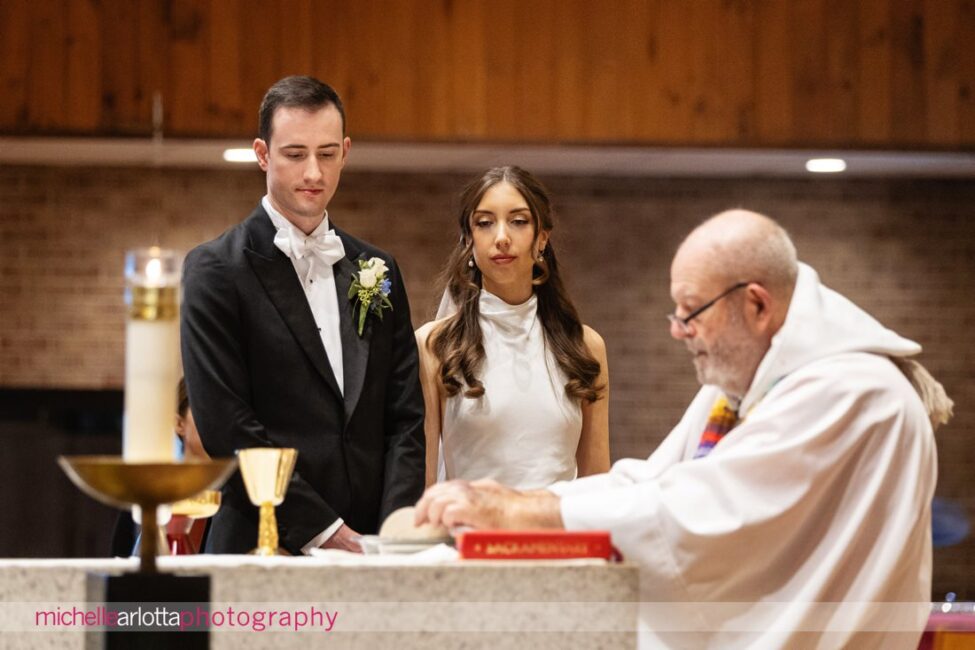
(362,319)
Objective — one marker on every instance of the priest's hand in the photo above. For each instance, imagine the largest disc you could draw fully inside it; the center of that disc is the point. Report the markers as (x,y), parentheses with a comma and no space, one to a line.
(344,539)
(487,504)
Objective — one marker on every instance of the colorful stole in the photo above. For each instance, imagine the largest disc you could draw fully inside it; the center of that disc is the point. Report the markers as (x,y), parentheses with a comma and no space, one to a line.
(721,420)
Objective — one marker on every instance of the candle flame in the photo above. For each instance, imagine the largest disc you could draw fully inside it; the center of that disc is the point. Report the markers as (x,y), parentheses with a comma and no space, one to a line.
(154,270)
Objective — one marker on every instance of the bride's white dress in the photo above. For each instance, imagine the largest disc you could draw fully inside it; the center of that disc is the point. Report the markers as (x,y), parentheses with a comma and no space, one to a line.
(524,430)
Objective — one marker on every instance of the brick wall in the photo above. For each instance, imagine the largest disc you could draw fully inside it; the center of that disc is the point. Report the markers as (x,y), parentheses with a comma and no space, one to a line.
(903,250)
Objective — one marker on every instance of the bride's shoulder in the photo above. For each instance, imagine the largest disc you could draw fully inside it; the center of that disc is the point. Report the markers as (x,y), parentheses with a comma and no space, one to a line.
(425,331)
(593,341)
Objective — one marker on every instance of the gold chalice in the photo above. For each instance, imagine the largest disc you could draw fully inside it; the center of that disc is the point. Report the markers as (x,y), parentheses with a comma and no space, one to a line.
(266,472)
(115,482)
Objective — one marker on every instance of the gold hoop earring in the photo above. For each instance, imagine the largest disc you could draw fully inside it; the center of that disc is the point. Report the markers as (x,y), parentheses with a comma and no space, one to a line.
(543,274)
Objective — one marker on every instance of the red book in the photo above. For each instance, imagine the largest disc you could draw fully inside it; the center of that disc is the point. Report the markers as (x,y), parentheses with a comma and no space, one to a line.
(534,544)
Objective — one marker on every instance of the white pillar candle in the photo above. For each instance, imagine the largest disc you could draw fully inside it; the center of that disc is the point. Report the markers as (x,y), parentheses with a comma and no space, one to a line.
(151,355)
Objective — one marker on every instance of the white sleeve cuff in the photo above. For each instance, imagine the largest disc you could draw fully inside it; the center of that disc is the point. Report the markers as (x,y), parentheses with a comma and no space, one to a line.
(586,484)
(322,537)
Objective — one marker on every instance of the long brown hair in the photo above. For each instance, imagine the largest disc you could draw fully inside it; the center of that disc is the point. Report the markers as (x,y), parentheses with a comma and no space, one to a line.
(457,342)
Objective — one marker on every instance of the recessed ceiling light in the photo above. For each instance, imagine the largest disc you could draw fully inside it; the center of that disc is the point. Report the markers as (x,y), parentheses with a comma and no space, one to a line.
(239,155)
(825,165)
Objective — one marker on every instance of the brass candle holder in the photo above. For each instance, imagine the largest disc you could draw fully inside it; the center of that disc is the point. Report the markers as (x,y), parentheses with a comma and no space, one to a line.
(266,472)
(115,482)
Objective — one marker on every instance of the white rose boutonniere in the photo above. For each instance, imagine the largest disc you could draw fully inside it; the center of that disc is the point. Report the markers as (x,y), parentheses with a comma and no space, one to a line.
(369,290)
(367,278)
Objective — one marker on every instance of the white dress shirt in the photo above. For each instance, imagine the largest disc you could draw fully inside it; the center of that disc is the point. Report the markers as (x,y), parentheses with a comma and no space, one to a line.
(318,281)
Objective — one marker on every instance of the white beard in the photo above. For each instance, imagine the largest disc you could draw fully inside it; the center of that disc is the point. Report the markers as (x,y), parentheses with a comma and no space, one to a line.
(731,360)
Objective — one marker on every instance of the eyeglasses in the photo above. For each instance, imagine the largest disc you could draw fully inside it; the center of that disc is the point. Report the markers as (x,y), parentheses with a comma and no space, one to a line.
(685,322)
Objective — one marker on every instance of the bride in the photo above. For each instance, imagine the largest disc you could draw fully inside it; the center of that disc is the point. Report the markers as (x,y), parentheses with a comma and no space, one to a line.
(515,386)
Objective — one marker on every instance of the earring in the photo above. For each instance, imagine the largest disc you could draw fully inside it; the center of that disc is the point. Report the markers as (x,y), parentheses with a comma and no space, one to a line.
(541,255)
(470,263)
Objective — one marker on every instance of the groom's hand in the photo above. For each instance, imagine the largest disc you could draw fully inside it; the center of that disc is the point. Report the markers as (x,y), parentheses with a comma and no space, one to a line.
(344,539)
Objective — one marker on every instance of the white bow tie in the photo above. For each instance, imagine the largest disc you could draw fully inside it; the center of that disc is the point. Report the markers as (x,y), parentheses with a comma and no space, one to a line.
(326,247)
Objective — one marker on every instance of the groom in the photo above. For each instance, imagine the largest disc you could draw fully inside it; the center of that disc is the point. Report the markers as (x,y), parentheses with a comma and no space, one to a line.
(274,355)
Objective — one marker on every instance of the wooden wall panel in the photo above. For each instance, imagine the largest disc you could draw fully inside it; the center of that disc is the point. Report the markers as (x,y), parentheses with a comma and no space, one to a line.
(603,68)
(701,33)
(878,73)
(120,103)
(908,108)
(15,23)
(188,86)
(809,87)
(225,101)
(571,89)
(841,68)
(941,73)
(297,39)
(771,50)
(46,67)
(677,81)
(965,23)
(83,75)
(505,48)
(260,59)
(433,84)
(651,115)
(153,65)
(874,66)
(392,36)
(733,82)
(468,100)
(631,40)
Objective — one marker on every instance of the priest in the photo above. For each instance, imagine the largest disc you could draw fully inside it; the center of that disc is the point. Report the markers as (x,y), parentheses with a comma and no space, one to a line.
(790,506)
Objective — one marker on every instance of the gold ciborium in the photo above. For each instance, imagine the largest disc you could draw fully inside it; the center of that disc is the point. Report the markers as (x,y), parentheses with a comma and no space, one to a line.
(204,505)
(266,472)
(201,506)
(122,484)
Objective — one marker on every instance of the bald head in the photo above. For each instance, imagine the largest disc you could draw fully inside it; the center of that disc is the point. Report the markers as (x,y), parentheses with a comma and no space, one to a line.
(740,246)
(734,275)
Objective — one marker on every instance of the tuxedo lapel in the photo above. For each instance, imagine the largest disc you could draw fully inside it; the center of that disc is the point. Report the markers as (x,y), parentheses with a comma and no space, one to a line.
(277,275)
(355,348)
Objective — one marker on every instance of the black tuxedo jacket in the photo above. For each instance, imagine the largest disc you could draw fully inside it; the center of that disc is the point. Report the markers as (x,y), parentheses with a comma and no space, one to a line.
(257,375)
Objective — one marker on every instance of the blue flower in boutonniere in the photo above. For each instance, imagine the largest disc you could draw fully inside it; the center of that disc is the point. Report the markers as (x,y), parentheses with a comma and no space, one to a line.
(370,289)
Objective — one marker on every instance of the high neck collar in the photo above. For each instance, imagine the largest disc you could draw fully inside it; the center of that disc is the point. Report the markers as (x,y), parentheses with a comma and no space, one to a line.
(512,318)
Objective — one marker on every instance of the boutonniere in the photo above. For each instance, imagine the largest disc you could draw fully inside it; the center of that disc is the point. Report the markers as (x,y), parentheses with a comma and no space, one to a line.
(370,289)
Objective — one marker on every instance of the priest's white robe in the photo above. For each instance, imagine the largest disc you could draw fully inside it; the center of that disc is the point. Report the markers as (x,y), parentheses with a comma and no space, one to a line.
(808,525)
